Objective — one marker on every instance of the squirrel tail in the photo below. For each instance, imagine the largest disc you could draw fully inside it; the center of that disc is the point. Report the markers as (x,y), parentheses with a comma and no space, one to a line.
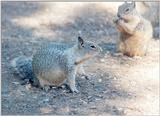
(22,67)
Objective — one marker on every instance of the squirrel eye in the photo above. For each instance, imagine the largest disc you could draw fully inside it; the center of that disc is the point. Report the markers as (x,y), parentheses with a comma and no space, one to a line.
(127,10)
(92,46)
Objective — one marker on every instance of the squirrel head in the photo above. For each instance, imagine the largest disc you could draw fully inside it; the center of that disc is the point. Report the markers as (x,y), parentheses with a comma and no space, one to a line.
(87,49)
(127,11)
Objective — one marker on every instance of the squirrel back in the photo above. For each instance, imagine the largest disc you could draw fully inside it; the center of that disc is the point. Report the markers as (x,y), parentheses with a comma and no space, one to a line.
(22,65)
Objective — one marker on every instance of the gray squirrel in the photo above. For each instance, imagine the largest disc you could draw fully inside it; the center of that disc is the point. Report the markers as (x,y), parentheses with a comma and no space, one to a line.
(55,64)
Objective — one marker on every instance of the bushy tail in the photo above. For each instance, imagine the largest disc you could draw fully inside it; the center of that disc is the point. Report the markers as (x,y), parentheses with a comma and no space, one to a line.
(22,67)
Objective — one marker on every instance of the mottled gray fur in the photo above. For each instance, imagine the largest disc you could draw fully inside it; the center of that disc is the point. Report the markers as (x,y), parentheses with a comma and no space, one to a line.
(54,64)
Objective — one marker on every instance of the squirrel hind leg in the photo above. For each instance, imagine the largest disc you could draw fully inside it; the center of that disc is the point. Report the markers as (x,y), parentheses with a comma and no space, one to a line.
(134,54)
(129,54)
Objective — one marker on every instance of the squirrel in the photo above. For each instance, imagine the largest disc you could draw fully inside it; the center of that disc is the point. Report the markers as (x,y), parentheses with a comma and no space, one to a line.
(135,31)
(55,64)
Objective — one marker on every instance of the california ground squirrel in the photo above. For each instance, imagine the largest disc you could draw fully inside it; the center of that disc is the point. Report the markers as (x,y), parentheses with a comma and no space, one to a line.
(135,31)
(54,64)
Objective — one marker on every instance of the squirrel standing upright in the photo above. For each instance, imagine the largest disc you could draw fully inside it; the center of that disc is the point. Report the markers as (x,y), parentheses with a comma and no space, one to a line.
(54,64)
(135,31)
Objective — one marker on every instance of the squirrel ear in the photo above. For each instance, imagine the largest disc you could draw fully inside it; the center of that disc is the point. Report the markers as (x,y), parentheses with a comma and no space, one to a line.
(134,4)
(80,42)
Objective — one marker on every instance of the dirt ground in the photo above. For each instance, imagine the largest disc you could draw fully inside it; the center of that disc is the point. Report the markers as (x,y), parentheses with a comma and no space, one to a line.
(117,85)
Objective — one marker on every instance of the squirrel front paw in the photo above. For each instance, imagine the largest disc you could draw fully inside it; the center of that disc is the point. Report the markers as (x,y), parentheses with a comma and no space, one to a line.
(46,88)
(120,22)
(85,76)
(74,90)
(120,25)
(115,20)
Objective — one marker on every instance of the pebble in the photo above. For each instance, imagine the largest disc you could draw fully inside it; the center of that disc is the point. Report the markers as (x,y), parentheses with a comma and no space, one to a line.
(35,97)
(137,57)
(89,97)
(30,49)
(97,99)
(84,102)
(133,83)
(100,96)
(106,56)
(115,78)
(27,43)
(56,87)
(99,80)
(83,77)
(79,32)
(21,52)
(63,87)
(93,107)
(102,75)
(16,83)
(7,58)
(22,94)
(91,74)
(28,86)
(101,26)
(102,60)
(46,100)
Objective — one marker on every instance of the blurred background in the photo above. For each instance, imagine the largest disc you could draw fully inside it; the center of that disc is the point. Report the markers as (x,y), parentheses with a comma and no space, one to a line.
(65,20)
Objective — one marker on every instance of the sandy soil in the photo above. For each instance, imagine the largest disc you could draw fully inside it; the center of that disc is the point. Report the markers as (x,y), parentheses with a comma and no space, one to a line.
(117,85)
